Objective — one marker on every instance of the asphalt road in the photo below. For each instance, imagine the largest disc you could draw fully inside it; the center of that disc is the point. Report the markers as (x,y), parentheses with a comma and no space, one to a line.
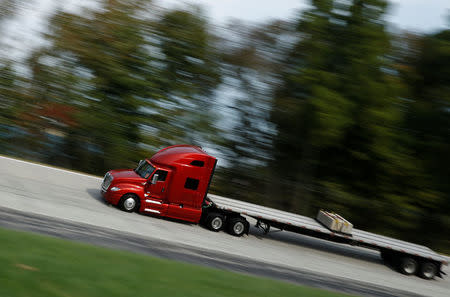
(68,205)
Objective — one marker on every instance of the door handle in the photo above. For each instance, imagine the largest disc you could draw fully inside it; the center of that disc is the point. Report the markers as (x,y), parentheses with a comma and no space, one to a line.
(162,191)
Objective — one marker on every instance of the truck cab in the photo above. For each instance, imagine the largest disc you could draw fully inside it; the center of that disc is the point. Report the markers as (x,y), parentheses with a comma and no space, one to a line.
(173,183)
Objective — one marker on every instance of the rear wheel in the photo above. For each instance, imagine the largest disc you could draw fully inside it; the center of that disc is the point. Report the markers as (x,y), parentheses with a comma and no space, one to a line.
(129,203)
(408,266)
(428,270)
(237,226)
(215,221)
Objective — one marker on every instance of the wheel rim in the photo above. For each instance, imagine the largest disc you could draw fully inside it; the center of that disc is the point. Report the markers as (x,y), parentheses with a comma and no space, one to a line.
(238,228)
(409,266)
(129,203)
(216,223)
(428,270)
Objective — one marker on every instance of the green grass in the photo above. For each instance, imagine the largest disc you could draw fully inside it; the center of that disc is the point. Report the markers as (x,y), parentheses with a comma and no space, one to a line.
(35,265)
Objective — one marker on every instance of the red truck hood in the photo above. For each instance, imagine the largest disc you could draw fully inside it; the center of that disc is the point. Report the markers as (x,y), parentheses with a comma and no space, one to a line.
(126,174)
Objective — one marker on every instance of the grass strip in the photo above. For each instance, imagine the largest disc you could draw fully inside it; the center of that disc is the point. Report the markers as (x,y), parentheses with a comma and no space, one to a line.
(36,265)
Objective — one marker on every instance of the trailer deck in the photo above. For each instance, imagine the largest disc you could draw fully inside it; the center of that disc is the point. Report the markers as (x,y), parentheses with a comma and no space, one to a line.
(307,225)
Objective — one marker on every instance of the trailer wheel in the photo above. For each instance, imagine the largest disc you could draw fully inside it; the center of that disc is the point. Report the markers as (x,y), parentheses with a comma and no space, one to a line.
(129,203)
(427,270)
(408,266)
(237,226)
(215,221)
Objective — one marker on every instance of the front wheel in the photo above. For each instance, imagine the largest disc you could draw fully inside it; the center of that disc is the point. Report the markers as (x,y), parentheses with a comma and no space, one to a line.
(129,203)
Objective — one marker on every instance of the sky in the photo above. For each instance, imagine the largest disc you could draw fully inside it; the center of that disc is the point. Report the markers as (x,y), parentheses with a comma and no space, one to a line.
(415,15)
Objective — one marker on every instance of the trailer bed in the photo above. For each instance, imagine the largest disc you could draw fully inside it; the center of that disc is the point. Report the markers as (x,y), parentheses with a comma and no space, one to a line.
(312,227)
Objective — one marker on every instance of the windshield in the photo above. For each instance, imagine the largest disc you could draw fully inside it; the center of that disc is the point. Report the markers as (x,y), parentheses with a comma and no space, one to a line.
(144,169)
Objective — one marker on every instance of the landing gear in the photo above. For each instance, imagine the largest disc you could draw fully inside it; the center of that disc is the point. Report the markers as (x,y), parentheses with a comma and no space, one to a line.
(263,226)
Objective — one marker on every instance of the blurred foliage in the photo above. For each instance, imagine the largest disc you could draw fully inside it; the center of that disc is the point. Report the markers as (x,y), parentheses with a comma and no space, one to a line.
(250,66)
(189,75)
(328,111)
(338,112)
(424,64)
(9,8)
(114,72)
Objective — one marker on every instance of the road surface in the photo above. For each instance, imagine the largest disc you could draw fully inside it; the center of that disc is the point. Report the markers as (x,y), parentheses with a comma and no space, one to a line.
(67,199)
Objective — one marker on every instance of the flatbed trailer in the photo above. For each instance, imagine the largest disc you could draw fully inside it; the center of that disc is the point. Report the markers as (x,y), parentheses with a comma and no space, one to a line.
(394,251)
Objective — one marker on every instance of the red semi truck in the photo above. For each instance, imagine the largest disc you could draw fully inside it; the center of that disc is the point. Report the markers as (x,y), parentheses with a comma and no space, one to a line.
(175,181)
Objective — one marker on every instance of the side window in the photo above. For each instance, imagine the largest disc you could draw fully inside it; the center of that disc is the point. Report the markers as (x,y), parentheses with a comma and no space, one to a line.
(191,183)
(162,175)
(197,163)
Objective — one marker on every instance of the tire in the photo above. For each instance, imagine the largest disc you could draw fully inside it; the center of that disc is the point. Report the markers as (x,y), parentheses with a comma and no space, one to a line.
(428,270)
(408,266)
(237,226)
(215,221)
(129,203)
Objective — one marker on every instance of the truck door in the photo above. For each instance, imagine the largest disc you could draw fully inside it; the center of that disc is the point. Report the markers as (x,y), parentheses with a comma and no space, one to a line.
(187,205)
(156,194)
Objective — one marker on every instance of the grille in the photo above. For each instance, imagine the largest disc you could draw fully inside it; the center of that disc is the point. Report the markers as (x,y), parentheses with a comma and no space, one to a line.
(107,181)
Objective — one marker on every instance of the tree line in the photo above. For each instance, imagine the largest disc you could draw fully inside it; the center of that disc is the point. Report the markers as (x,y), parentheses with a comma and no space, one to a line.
(331,110)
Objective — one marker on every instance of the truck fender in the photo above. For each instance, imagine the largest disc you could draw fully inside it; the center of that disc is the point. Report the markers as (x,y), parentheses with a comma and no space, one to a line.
(130,188)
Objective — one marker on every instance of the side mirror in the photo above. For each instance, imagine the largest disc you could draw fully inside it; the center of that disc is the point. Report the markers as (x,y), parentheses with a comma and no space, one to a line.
(154,179)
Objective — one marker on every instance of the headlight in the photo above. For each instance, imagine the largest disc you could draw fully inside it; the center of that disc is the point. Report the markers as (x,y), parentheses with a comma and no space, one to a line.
(115,189)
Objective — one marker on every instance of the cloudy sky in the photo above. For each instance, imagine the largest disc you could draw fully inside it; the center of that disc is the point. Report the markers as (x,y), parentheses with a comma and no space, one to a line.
(417,15)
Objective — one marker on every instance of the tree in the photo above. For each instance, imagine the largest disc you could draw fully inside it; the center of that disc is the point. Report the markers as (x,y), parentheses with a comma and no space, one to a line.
(7,79)
(339,117)
(8,8)
(188,74)
(9,107)
(425,68)
(128,84)
(97,64)
(250,60)
(309,112)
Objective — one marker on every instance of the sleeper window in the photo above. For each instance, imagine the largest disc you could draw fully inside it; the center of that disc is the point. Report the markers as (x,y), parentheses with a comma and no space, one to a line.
(191,183)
